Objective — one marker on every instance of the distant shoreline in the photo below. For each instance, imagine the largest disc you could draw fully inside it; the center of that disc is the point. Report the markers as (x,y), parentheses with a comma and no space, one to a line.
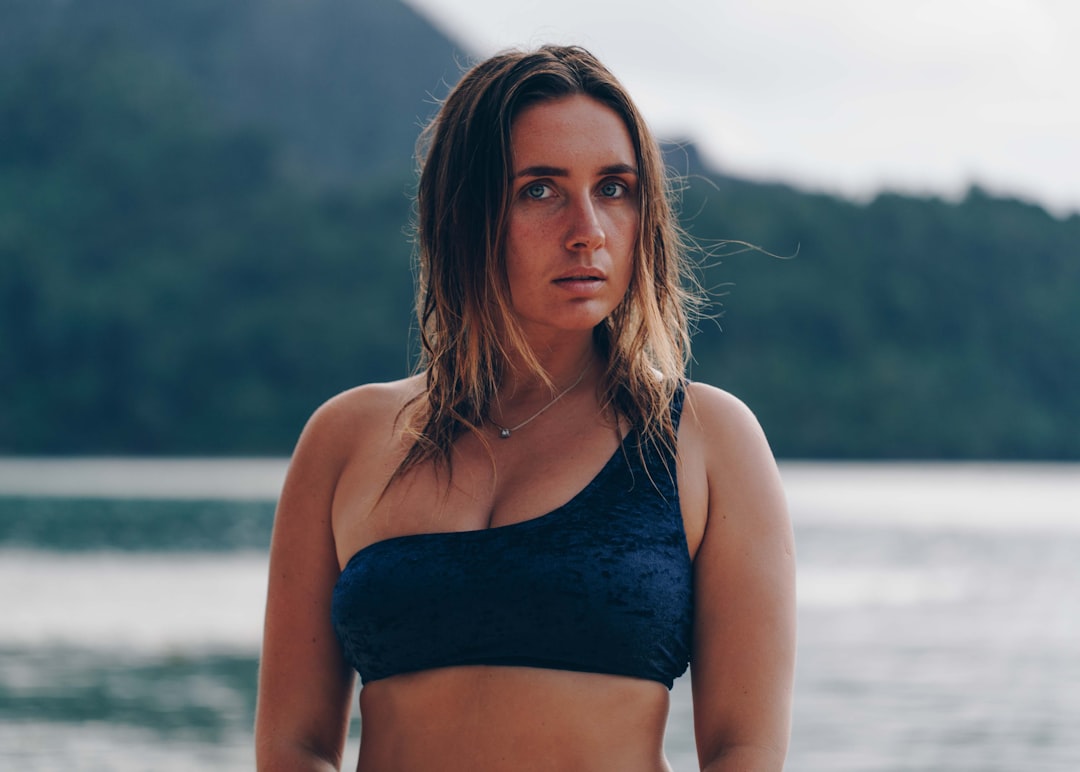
(229,478)
(981,495)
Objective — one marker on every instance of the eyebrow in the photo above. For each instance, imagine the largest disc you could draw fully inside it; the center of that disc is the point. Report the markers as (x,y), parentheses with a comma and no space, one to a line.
(556,171)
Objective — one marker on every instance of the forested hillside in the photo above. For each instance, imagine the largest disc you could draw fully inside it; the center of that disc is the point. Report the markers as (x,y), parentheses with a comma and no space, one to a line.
(204,233)
(902,328)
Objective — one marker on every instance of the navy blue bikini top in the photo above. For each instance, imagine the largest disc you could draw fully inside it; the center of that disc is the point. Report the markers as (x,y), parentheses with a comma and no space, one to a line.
(603,584)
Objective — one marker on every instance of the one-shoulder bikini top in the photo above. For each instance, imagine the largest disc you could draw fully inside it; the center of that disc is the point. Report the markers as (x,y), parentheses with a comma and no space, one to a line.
(602,584)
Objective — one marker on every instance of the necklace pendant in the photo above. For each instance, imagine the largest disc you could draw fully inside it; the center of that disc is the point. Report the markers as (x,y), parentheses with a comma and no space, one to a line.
(504,431)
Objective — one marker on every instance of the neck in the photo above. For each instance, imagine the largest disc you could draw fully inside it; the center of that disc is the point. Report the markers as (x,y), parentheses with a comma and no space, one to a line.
(562,365)
(505,431)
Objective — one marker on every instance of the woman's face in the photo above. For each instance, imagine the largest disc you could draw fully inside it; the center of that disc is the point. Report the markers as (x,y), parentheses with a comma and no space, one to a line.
(573,218)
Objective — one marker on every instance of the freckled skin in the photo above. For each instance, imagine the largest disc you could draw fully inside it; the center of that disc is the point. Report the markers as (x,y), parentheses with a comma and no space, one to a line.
(574,215)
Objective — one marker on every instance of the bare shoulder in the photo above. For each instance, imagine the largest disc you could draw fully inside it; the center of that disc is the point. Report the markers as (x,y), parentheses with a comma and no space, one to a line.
(366,404)
(730,445)
(355,423)
(722,416)
(361,415)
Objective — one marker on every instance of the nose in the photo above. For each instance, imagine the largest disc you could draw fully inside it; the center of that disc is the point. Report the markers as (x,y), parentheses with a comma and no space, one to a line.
(585,230)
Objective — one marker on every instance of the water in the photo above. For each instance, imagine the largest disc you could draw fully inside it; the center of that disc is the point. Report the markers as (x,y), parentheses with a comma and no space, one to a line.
(939,614)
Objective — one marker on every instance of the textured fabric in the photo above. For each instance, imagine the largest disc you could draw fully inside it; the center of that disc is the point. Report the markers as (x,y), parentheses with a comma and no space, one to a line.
(602,584)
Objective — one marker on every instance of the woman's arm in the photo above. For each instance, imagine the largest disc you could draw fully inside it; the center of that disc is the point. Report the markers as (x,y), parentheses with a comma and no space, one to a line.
(305,687)
(744,589)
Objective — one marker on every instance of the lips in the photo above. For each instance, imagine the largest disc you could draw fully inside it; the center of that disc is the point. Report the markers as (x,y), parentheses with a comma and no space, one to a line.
(581,282)
(581,275)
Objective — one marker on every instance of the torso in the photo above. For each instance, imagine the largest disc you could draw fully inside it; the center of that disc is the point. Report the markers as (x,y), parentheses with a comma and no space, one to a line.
(493,718)
(484,719)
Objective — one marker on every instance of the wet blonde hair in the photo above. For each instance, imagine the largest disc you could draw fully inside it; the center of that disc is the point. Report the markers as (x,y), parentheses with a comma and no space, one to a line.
(464,309)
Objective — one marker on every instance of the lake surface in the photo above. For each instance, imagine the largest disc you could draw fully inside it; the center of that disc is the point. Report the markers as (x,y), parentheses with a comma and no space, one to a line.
(939,616)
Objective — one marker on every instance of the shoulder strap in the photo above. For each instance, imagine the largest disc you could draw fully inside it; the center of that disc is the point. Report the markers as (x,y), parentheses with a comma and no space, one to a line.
(677,400)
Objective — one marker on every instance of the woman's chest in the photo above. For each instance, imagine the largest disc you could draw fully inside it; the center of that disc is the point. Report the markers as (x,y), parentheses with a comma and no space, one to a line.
(485,487)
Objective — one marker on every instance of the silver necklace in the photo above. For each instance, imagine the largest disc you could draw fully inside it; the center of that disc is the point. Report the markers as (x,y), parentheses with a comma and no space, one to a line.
(505,432)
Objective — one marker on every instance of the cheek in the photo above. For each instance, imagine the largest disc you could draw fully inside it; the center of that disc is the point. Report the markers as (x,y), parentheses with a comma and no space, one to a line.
(518,265)
(630,263)
(525,227)
(625,243)
(520,232)
(623,229)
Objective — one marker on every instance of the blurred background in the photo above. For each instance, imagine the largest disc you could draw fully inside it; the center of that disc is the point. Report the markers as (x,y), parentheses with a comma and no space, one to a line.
(205,232)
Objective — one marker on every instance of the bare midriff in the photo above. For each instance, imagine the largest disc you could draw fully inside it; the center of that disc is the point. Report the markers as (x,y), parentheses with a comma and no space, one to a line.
(492,719)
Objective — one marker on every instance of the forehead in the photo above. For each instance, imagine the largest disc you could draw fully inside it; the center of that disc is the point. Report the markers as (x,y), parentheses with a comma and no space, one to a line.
(570,130)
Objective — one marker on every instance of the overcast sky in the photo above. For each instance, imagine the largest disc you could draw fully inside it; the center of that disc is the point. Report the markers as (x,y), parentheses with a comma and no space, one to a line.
(849,96)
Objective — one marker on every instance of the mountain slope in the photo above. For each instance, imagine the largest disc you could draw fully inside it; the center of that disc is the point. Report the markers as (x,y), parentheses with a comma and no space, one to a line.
(344,86)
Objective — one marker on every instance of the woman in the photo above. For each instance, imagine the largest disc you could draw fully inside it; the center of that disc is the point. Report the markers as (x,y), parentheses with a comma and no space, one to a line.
(521,547)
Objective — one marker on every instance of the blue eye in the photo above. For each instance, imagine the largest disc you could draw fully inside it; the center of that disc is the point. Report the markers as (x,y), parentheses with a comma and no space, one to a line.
(536,191)
(612,189)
